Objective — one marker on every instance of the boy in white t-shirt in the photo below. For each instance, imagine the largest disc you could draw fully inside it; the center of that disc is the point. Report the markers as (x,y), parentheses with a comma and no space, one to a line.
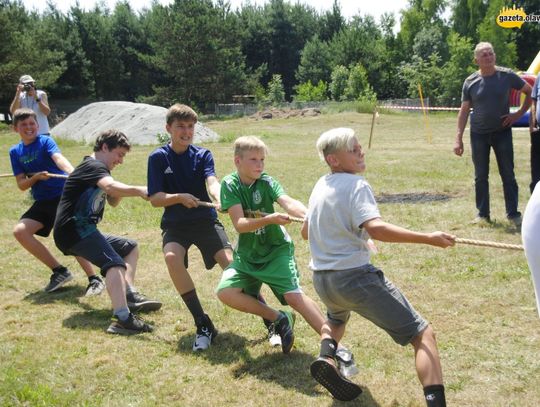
(342,215)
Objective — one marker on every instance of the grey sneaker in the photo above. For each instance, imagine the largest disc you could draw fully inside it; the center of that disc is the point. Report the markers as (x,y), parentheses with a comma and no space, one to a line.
(140,303)
(206,332)
(58,279)
(516,220)
(132,325)
(345,362)
(95,287)
(481,221)
(284,328)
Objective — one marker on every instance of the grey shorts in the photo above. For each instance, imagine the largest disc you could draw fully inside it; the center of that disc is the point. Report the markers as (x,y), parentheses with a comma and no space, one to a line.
(103,251)
(366,291)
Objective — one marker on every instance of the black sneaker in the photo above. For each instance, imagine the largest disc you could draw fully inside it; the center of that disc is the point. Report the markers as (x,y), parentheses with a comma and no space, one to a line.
(58,279)
(206,332)
(327,375)
(139,303)
(284,328)
(132,325)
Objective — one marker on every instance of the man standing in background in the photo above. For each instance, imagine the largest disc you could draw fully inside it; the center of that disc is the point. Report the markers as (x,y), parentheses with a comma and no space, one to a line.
(29,97)
(487,92)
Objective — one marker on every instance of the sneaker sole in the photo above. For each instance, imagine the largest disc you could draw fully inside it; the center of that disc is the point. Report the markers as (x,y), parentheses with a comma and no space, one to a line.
(144,306)
(123,331)
(59,285)
(327,375)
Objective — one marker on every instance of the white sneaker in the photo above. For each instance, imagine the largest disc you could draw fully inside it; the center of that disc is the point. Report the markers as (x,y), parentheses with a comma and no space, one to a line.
(95,287)
(205,335)
(273,338)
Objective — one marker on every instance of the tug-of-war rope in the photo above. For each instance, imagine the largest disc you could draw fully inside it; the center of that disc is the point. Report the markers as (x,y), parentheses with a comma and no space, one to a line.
(473,242)
(51,175)
(259,214)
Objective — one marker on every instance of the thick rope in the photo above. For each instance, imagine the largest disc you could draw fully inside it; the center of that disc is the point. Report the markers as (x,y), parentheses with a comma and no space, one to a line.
(250,213)
(489,244)
(473,242)
(51,175)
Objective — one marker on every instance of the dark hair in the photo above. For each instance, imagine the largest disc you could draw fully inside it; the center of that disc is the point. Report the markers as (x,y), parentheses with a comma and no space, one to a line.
(181,112)
(23,114)
(113,139)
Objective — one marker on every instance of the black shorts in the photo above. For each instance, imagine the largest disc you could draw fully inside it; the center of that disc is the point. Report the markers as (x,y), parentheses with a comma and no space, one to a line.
(103,251)
(207,234)
(43,212)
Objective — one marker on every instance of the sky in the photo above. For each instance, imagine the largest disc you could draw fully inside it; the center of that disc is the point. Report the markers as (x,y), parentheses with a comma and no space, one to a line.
(349,8)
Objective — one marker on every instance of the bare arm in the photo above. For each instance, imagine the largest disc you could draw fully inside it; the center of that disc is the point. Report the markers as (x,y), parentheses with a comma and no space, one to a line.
(16,103)
(245,225)
(511,118)
(463,117)
(62,163)
(116,190)
(25,183)
(387,232)
(43,103)
(163,199)
(304,230)
(292,206)
(214,189)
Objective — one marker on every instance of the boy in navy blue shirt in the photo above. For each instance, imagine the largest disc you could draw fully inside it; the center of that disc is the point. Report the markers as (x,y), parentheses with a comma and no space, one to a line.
(180,175)
(40,156)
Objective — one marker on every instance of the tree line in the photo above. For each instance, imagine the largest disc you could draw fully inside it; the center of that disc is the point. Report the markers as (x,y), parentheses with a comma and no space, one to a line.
(202,52)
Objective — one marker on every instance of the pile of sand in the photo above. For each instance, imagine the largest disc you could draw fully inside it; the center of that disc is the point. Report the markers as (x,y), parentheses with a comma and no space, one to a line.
(142,123)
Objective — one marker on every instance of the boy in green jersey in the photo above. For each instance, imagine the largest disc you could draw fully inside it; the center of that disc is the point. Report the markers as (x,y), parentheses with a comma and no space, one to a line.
(265,252)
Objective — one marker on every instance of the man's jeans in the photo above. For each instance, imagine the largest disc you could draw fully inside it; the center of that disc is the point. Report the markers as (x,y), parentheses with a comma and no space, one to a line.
(481,145)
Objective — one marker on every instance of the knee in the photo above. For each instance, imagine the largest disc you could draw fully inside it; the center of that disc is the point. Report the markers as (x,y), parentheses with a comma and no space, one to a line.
(426,336)
(170,258)
(20,232)
(295,300)
(224,295)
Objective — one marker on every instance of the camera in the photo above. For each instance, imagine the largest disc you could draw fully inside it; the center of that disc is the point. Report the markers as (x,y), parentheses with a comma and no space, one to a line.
(28,86)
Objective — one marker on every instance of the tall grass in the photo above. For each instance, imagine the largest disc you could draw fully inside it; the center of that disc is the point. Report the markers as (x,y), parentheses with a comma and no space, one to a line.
(54,350)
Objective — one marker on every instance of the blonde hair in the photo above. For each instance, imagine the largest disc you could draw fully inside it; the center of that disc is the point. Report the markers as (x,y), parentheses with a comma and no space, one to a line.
(338,139)
(248,143)
(482,45)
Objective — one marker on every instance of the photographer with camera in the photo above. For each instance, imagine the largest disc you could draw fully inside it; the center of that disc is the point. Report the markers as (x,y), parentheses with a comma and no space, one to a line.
(27,96)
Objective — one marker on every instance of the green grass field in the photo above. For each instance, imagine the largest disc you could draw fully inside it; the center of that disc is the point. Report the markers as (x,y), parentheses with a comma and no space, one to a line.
(54,350)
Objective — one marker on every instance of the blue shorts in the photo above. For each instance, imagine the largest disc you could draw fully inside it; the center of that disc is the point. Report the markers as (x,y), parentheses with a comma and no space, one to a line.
(366,291)
(103,251)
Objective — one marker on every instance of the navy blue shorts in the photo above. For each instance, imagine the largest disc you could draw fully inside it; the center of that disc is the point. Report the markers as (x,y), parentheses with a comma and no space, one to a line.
(207,234)
(103,251)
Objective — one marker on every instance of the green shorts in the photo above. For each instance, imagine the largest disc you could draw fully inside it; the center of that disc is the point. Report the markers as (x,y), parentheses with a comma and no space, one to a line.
(280,274)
